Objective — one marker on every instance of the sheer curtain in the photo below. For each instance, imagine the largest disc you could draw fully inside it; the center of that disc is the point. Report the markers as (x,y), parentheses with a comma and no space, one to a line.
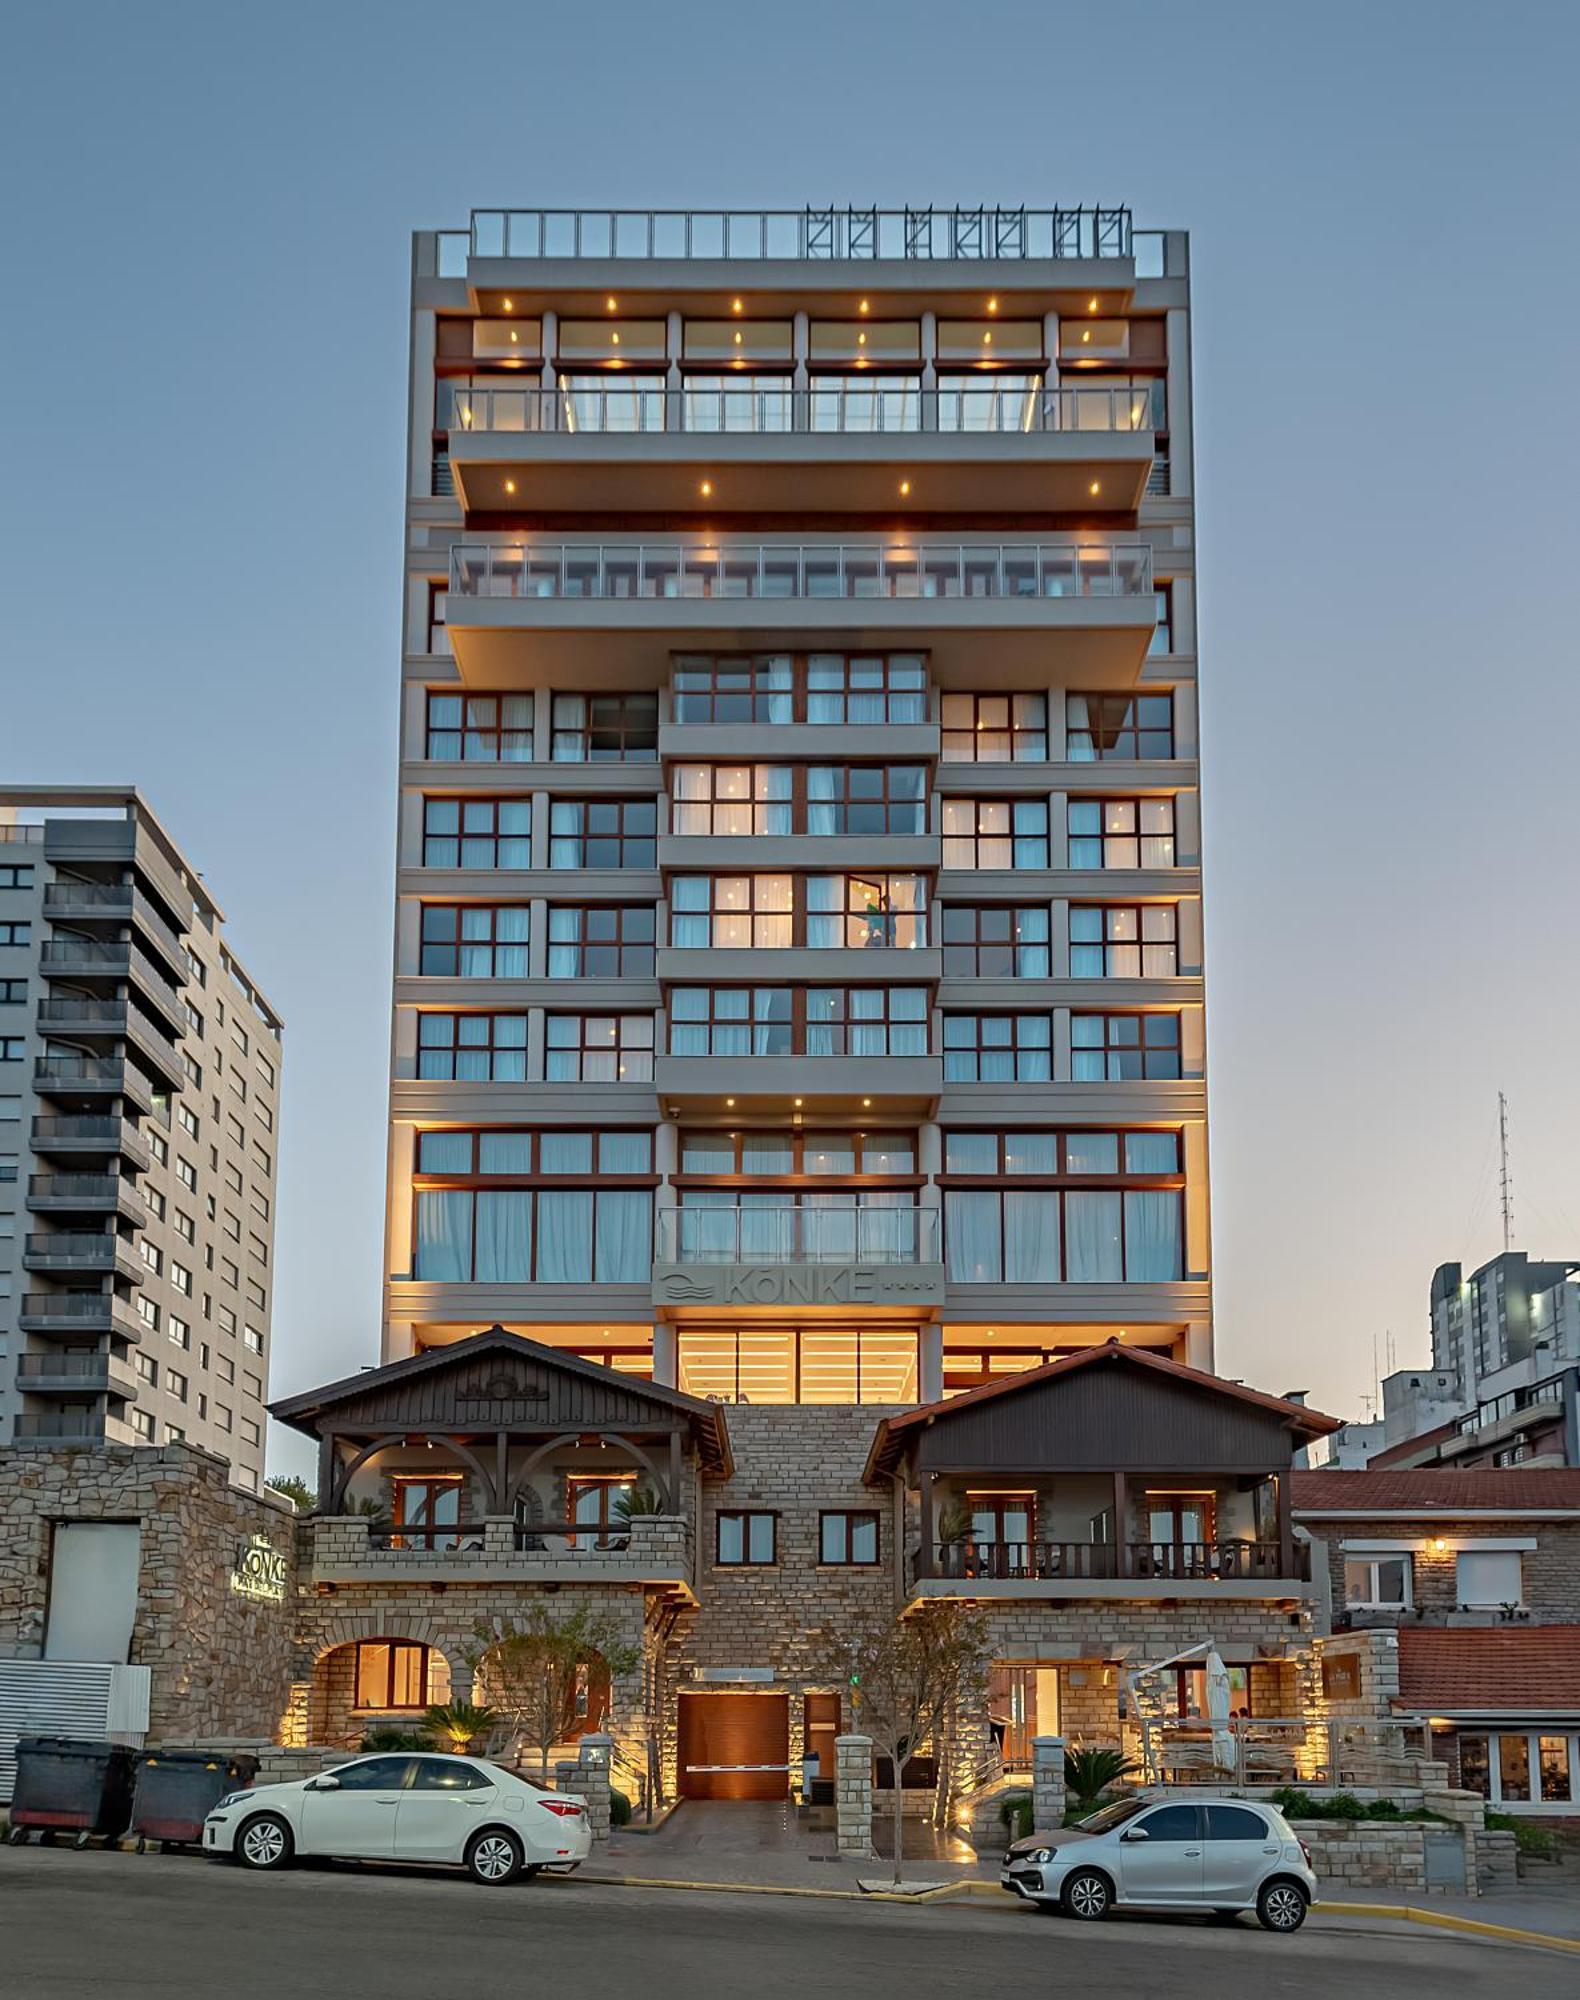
(1031,1238)
(504,1236)
(971,1230)
(565,1220)
(444,1234)
(822,790)
(1152,1235)
(1091,1223)
(623,1236)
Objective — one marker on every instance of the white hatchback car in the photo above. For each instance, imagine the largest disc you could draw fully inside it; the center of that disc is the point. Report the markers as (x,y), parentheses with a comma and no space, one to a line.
(1218,1856)
(406,1807)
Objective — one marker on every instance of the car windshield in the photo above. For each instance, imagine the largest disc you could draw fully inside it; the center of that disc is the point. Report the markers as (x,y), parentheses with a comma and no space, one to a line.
(1111,1816)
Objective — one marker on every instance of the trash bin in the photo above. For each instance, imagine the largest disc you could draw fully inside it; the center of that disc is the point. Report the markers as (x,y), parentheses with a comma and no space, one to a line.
(177,1790)
(67,1785)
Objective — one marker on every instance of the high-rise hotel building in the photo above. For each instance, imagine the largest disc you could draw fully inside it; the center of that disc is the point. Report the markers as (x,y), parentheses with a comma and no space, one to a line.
(798,987)
(139,1135)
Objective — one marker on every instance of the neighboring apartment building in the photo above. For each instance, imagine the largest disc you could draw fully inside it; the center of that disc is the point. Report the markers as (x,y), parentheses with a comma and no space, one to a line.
(1478,1575)
(798,978)
(139,1109)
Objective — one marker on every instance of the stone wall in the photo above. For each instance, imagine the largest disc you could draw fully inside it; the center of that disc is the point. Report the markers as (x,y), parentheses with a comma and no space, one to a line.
(1550,1573)
(1364,1854)
(220,1661)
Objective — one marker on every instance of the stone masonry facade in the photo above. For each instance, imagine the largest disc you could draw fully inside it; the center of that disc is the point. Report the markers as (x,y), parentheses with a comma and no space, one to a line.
(1549,1572)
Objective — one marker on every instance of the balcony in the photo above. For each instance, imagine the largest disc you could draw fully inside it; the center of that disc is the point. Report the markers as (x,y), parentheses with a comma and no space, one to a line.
(77,1014)
(79,1315)
(770,449)
(75,1253)
(823,1256)
(70,1138)
(771,1085)
(651,1550)
(64,1375)
(566,614)
(83,1194)
(74,1076)
(1183,1563)
(83,960)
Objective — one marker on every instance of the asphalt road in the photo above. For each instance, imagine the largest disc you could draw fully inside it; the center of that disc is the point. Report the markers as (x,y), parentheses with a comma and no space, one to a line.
(120,1927)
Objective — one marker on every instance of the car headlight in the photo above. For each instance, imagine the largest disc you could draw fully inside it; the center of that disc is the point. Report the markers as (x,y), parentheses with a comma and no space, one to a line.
(1041,1856)
(230,1799)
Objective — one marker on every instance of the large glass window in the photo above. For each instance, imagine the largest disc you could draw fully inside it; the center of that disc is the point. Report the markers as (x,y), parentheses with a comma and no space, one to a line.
(1124,1048)
(479,728)
(730,1021)
(866,402)
(995,833)
(599,1048)
(847,688)
(738,402)
(866,912)
(996,941)
(731,798)
(603,833)
(1119,728)
(995,729)
(820,1364)
(866,799)
(734,690)
(1121,833)
(1372,1581)
(474,940)
(1124,941)
(745,1538)
(477,833)
(391,1674)
(605,729)
(598,942)
(1010,402)
(866,1021)
(731,912)
(472,1048)
(791,1153)
(998,1048)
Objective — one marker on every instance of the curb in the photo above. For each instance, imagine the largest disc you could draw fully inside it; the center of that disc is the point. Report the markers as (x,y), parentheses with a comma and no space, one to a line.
(1411,1913)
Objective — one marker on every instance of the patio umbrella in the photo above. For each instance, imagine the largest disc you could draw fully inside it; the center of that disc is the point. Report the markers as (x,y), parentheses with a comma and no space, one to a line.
(1218,1708)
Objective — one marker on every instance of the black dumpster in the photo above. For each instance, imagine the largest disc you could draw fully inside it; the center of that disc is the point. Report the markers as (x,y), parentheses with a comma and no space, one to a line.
(66,1785)
(177,1790)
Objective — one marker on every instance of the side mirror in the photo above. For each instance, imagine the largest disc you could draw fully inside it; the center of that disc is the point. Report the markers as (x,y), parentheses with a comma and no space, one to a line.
(324,1784)
(1136,1833)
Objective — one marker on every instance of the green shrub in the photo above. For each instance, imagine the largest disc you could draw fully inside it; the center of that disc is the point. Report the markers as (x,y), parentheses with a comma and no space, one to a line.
(1016,1815)
(394,1739)
(619,1808)
(1089,1773)
(1529,1838)
(1345,1805)
(1384,1809)
(1294,1803)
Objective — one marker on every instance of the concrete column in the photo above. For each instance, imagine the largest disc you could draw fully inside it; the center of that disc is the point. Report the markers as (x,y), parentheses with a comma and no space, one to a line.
(537,1040)
(853,1797)
(1187,742)
(1058,829)
(1047,1784)
(405,1051)
(665,1365)
(1190,937)
(1197,1250)
(549,403)
(538,938)
(542,726)
(1183,612)
(801,378)
(590,1777)
(931,1363)
(929,410)
(1193,1041)
(424,338)
(402,1161)
(1178,339)
(1063,1060)
(409,843)
(540,830)
(1198,1345)
(1059,939)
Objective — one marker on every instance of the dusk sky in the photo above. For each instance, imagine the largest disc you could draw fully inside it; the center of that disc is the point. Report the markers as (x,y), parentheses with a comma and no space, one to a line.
(206,275)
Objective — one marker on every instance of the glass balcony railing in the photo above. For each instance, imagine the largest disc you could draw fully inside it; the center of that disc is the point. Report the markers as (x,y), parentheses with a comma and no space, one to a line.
(853,405)
(675,570)
(783,1234)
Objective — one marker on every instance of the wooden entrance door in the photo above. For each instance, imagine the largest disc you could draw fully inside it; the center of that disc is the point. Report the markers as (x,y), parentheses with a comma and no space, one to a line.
(820,1718)
(734,1746)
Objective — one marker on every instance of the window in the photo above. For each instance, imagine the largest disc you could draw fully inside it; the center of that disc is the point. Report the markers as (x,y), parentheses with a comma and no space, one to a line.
(479,729)
(148,1312)
(147,1370)
(186,1173)
(1119,728)
(266,1071)
(474,940)
(864,799)
(13,992)
(1121,833)
(866,912)
(866,1021)
(15,875)
(998,1048)
(431,1774)
(188,1121)
(599,1048)
(250,1432)
(252,1340)
(1171,1823)
(519,1207)
(995,729)
(1124,1048)
(847,689)
(1124,941)
(727,691)
(730,912)
(1486,1577)
(12,1048)
(12,933)
(224,1418)
(180,1334)
(151,1255)
(616,942)
(769,1154)
(176,1385)
(996,942)
(995,833)
(185,1226)
(848,1539)
(181,1278)
(477,833)
(227,1320)
(744,1539)
(731,798)
(142,1426)
(1072,1207)
(159,1149)
(258,1248)
(390,1673)
(1162,640)
(1372,1582)
(731,1020)
(471,1048)
(425,1510)
(605,729)
(603,833)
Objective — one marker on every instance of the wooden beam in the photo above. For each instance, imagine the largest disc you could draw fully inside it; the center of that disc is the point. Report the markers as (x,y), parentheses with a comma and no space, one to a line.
(926,1565)
(1122,1522)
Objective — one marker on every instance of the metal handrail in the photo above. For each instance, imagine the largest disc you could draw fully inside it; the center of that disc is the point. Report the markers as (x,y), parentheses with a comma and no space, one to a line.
(83,1069)
(803,235)
(846,1234)
(860,404)
(28,1366)
(794,570)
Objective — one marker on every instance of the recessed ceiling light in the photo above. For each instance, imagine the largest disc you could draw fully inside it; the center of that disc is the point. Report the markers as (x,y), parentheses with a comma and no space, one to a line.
(737,336)
(798,1103)
(992,305)
(735,306)
(510,305)
(707,489)
(614,340)
(1096,486)
(905,487)
(510,486)
(861,340)
(1091,305)
(610,303)
(867,1102)
(730,1101)
(863,307)
(1086,334)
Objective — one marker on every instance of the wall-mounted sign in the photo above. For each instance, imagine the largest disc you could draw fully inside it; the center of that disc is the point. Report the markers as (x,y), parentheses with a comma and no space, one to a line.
(259,1571)
(799,1284)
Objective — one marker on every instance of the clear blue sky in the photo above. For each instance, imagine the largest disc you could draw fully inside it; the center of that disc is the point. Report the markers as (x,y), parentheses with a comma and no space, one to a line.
(205,289)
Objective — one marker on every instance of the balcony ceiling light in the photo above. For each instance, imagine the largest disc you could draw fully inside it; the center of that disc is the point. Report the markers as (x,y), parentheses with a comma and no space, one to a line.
(905,487)
(730,1101)
(735,305)
(707,489)
(993,305)
(510,305)
(863,306)
(1096,488)
(514,336)
(510,486)
(861,340)
(737,336)
(867,1102)
(1086,333)
(614,340)
(798,1104)
(612,304)
(1091,305)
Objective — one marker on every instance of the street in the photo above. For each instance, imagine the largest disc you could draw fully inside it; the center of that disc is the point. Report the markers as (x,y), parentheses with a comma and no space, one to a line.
(120,1926)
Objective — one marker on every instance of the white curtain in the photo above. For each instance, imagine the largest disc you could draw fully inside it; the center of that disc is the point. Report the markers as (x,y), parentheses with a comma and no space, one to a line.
(444,1234)
(971,1229)
(1091,1226)
(1031,1238)
(624,1236)
(504,1236)
(565,1236)
(821,792)
(1152,1235)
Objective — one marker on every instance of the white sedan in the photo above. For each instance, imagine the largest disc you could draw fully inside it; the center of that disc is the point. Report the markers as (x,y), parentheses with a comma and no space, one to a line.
(406,1807)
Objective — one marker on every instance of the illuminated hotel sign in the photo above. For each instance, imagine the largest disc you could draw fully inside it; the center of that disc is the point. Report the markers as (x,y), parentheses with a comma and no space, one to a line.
(259,1571)
(798,1284)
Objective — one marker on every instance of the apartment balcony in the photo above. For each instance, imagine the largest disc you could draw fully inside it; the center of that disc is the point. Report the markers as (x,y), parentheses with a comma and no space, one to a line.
(79,1316)
(989,614)
(76,1253)
(839,1257)
(85,961)
(86,1194)
(116,904)
(1230,1568)
(652,1550)
(88,1426)
(82,1078)
(766,448)
(771,1086)
(66,1375)
(71,1138)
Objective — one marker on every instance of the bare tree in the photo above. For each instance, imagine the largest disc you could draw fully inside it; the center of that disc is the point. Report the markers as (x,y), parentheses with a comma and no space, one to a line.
(532,1669)
(906,1677)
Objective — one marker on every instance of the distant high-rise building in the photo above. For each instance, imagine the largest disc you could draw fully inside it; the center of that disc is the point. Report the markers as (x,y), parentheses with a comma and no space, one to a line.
(1482,1323)
(139,1109)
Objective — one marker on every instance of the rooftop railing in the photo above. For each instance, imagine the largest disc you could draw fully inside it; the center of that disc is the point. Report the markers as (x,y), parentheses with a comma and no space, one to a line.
(772,405)
(793,570)
(796,235)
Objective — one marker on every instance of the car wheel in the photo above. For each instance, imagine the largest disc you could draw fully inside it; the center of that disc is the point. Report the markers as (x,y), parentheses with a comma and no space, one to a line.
(494,1857)
(1086,1895)
(1281,1906)
(264,1842)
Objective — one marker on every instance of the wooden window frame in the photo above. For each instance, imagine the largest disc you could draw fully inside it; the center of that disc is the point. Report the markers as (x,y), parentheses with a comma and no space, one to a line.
(493,942)
(391,1706)
(1023,737)
(1140,944)
(1021,1044)
(955,968)
(636,734)
(535,1176)
(472,732)
(1109,1047)
(632,848)
(491,1047)
(851,1517)
(582,1048)
(771,924)
(758,809)
(958,844)
(478,822)
(797,1174)
(633,958)
(776,687)
(1128,727)
(910,811)
(795,1335)
(1111,840)
(1063,1174)
(745,1515)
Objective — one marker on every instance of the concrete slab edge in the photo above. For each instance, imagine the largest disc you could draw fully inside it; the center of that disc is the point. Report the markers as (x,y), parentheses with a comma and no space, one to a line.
(1412,1913)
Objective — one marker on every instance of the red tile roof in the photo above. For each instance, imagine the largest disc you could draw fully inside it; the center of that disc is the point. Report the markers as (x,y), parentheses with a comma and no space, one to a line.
(1529,1670)
(1435,1489)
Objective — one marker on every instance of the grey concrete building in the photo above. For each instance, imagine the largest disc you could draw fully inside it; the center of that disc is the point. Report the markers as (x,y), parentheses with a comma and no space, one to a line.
(798,986)
(139,1109)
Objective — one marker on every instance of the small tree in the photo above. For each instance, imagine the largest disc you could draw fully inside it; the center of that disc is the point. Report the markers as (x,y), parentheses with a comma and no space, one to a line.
(459,1724)
(906,1677)
(1089,1773)
(532,1668)
(297,1491)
